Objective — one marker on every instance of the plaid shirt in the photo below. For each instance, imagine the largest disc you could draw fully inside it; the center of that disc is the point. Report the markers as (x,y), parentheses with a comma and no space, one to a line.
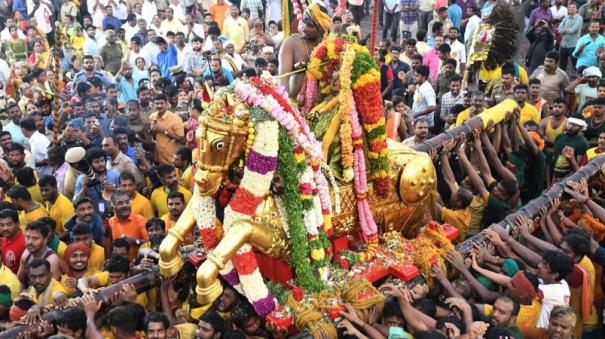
(253,5)
(447,102)
(408,17)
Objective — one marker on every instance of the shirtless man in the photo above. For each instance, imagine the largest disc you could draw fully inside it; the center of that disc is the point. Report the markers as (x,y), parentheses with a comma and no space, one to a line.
(295,51)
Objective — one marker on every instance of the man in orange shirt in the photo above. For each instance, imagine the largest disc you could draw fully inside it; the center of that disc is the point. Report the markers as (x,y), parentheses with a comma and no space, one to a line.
(176,205)
(125,224)
(219,12)
(168,130)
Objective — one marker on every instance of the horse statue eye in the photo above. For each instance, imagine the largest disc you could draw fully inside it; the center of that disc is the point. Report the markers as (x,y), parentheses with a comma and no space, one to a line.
(218,145)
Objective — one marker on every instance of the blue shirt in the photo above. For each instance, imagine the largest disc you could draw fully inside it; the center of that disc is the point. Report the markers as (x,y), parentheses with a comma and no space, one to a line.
(167,59)
(81,76)
(113,21)
(21,6)
(588,57)
(225,71)
(126,91)
(95,192)
(131,155)
(15,131)
(96,228)
(401,67)
(454,13)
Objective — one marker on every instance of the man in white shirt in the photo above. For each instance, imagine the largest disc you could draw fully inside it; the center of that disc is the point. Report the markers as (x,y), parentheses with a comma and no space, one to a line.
(38,144)
(42,13)
(136,52)
(97,12)
(458,52)
(149,10)
(424,95)
(471,26)
(130,27)
(193,29)
(558,11)
(5,34)
(552,271)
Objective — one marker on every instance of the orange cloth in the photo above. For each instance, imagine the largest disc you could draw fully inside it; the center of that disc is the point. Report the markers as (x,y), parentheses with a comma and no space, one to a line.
(538,140)
(593,226)
(392,126)
(165,147)
(133,227)
(77,246)
(586,293)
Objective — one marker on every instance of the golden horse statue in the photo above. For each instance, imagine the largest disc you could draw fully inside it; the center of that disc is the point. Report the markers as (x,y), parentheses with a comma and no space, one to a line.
(223,147)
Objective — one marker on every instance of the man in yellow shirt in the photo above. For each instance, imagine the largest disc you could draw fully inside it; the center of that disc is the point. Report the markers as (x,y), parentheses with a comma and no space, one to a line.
(182,163)
(29,210)
(176,206)
(9,279)
(139,204)
(477,106)
(43,288)
(159,196)
(528,111)
(58,206)
(235,28)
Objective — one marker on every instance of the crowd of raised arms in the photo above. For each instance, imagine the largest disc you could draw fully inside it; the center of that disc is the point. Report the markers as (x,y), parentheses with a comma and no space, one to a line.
(96,159)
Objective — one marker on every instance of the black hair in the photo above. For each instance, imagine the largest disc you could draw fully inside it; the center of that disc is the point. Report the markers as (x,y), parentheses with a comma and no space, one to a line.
(73,318)
(121,243)
(534,81)
(123,318)
(498,332)
(176,194)
(28,124)
(139,314)
(444,48)
(165,169)
(13,146)
(38,226)
(10,213)
(429,335)
(242,312)
(185,153)
(392,309)
(126,176)
(559,263)
(81,229)
(426,306)
(156,317)
(216,321)
(83,200)
(93,154)
(155,222)
(50,222)
(508,68)
(19,192)
(47,180)
(520,86)
(25,176)
(117,263)
(510,186)
(35,263)
(579,244)
(422,70)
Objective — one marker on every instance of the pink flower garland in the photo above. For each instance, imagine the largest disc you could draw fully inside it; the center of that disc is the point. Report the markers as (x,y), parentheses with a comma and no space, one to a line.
(368,226)
(310,94)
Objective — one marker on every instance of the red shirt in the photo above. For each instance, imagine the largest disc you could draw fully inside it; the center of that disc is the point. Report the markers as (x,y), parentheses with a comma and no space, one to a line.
(12,251)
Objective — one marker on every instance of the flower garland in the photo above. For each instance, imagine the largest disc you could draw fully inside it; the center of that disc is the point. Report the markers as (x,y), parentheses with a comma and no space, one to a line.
(299,8)
(345,100)
(302,181)
(258,175)
(366,91)
(310,94)
(205,219)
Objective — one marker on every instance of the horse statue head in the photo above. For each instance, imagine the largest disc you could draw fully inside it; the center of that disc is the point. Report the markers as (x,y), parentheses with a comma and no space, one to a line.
(221,141)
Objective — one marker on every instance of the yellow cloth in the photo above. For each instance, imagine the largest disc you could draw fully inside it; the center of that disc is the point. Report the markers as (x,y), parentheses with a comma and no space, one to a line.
(457,218)
(185,178)
(186,330)
(9,279)
(141,205)
(487,76)
(70,291)
(529,112)
(60,211)
(97,257)
(165,147)
(27,217)
(463,116)
(315,11)
(592,152)
(34,191)
(46,297)
(236,30)
(61,248)
(159,197)
(103,278)
(528,315)
(77,43)
(587,264)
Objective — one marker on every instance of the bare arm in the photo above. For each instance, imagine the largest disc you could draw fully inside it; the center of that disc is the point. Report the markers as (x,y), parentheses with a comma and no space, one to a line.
(455,258)
(473,176)
(529,142)
(492,156)
(286,62)
(500,279)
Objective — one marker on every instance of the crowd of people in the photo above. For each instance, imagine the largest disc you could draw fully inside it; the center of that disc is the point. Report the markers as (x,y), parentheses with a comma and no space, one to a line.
(101,100)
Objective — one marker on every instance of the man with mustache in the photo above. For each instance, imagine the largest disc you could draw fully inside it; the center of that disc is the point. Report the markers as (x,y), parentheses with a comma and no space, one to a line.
(75,261)
(176,206)
(44,288)
(86,214)
(36,247)
(13,239)
(126,224)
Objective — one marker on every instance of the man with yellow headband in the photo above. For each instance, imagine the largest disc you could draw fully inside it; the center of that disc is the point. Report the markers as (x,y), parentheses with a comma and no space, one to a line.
(295,51)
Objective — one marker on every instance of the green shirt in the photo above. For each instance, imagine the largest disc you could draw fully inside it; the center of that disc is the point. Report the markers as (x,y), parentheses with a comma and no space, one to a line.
(593,130)
(579,145)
